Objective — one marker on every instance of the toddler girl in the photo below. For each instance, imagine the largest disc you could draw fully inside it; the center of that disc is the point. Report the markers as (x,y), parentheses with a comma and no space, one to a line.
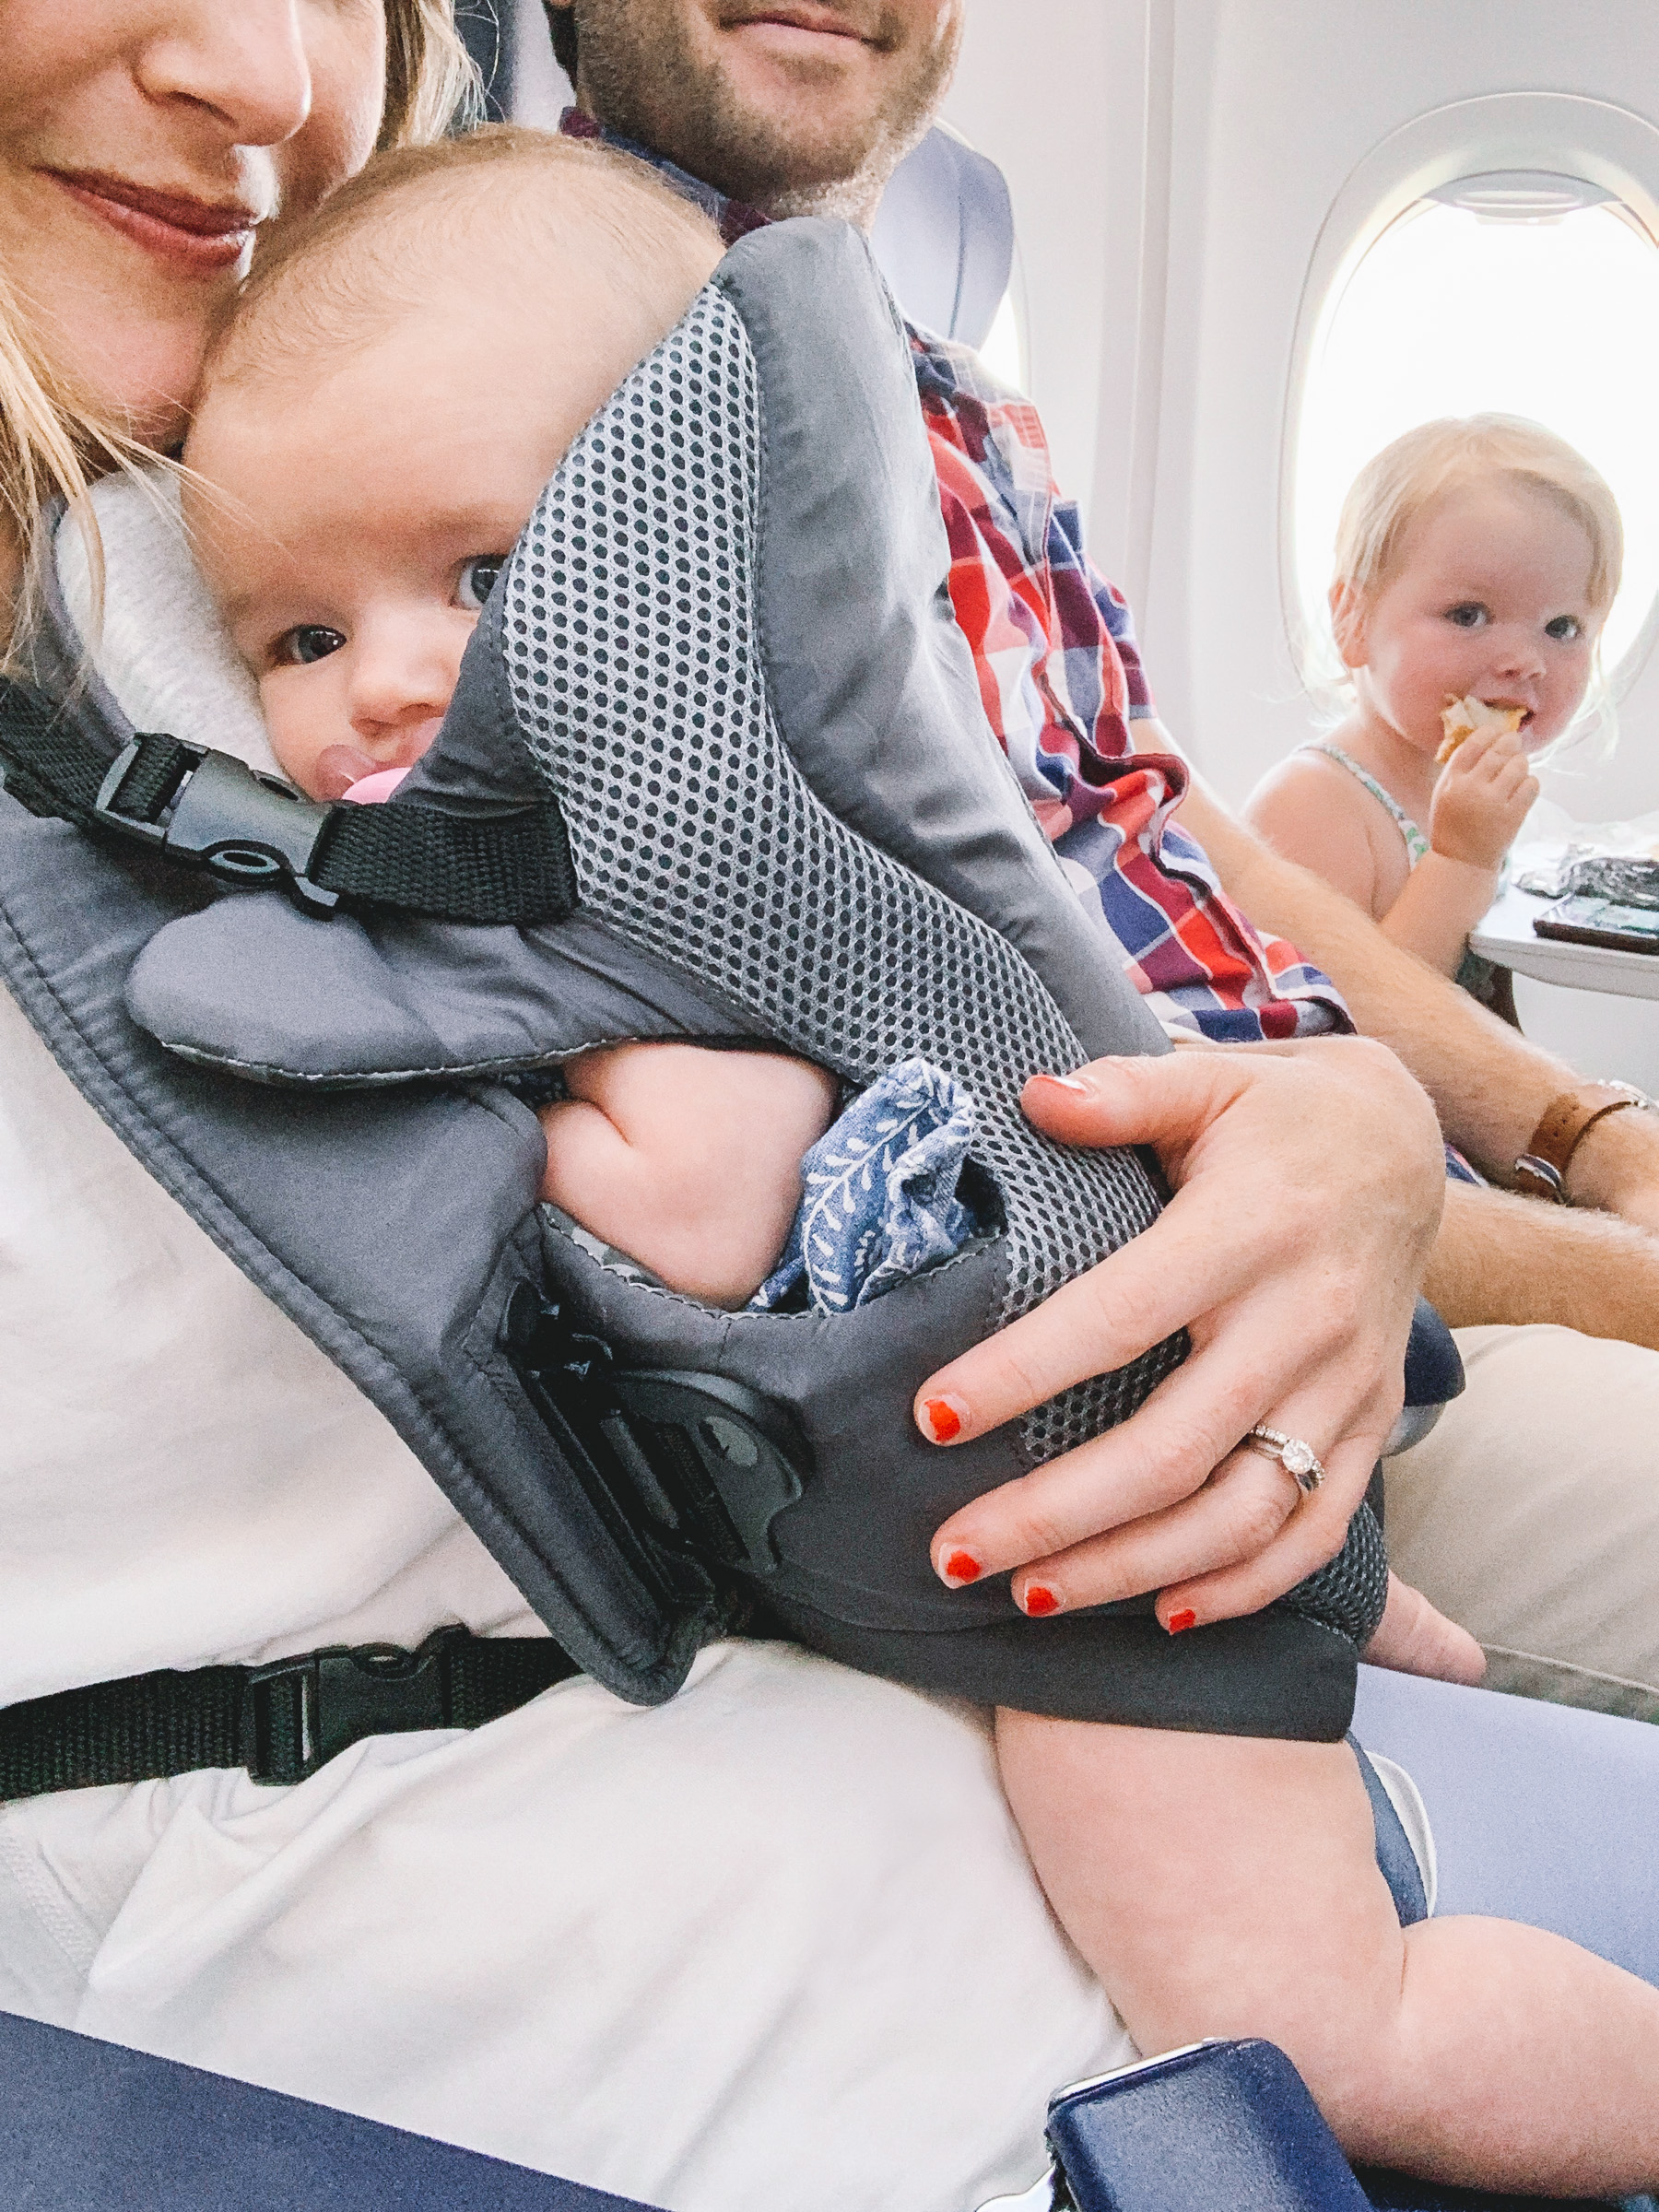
(354,486)
(1476,562)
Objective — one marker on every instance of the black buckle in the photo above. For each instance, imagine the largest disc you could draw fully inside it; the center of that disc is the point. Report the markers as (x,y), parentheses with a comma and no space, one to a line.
(245,828)
(708,1461)
(299,1712)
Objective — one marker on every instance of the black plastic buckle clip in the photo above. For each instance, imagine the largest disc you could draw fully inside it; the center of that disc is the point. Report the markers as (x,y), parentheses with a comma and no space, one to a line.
(299,1712)
(706,1462)
(249,830)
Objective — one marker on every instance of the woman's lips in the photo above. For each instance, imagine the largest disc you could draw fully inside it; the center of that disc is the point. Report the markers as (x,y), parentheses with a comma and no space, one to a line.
(192,234)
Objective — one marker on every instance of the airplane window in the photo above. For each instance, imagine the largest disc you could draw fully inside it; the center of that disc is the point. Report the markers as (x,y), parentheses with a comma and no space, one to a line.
(1526,294)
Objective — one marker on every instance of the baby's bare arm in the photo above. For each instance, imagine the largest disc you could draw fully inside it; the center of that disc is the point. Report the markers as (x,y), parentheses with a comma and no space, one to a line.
(687,1159)
(1228,1886)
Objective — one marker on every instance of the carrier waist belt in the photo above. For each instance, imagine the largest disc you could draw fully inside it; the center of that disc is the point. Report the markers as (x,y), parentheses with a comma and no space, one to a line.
(281,1721)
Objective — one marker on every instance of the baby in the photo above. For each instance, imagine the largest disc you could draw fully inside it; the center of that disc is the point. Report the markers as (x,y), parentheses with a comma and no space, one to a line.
(1476,562)
(359,482)
(363,464)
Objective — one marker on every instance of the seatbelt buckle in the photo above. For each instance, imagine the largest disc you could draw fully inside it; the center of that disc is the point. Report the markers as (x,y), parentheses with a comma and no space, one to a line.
(298,1714)
(214,812)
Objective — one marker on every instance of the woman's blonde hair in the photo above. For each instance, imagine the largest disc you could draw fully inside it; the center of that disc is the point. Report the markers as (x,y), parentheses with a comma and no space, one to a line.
(1395,490)
(54,438)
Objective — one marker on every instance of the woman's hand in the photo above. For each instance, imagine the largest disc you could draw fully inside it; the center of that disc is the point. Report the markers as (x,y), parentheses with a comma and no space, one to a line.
(1485,793)
(1307,1182)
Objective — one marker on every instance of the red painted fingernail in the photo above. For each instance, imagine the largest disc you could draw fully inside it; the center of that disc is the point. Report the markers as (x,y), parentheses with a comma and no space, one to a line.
(960,1568)
(945,1417)
(1039,1601)
(1180,1622)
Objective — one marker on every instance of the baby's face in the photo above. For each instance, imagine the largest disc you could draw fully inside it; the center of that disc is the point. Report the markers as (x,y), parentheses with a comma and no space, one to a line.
(352,527)
(1491,603)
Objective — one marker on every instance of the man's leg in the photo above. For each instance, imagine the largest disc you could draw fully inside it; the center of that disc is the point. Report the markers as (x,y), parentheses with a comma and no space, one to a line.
(1531,1515)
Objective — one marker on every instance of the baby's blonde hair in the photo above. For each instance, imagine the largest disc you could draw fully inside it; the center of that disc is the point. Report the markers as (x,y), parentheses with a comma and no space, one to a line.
(366,258)
(1399,486)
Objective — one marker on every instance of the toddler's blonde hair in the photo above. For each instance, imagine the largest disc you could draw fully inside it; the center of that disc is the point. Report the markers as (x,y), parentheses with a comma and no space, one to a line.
(1398,487)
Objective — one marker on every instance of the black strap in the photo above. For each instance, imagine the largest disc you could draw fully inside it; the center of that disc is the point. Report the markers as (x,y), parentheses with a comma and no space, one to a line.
(208,810)
(281,1722)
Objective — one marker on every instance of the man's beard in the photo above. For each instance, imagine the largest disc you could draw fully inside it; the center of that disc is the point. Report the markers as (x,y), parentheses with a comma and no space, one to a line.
(645,81)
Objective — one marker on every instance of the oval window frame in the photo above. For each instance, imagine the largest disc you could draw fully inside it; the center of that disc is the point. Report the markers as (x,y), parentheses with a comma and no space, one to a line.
(1591,140)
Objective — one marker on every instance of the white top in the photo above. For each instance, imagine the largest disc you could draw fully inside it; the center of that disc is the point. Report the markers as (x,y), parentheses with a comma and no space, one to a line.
(185,1478)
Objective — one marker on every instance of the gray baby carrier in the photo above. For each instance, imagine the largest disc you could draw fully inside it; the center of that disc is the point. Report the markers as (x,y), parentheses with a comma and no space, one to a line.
(717,769)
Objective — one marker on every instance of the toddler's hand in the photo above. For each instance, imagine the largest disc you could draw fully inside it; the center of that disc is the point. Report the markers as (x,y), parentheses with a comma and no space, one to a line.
(1484,794)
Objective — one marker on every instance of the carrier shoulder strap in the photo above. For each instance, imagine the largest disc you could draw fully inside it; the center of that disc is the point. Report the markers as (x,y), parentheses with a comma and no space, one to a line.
(208,810)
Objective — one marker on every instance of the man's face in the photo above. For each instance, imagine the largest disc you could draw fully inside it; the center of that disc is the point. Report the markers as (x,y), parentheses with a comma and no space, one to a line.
(797,107)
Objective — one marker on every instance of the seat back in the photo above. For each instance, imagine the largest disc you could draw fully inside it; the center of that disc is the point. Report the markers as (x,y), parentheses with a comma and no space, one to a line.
(943,237)
(90,2125)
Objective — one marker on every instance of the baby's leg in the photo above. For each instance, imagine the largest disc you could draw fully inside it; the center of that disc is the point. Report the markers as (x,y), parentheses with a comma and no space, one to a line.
(1228,1886)
(686,1158)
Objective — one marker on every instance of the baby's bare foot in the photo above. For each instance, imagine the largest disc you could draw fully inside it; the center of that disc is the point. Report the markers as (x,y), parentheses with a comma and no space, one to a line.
(1413,1639)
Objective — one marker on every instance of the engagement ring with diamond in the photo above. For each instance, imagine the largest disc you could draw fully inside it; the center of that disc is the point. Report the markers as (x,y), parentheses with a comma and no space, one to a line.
(1298,1460)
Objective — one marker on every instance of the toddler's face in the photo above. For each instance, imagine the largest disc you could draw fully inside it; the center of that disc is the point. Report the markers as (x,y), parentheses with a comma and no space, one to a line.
(1492,603)
(351,529)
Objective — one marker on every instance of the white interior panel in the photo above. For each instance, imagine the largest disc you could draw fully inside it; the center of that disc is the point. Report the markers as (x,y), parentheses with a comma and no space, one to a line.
(1278,104)
(1185,172)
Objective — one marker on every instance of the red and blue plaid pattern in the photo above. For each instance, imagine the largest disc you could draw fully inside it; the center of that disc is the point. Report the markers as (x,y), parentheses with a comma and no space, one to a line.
(1061,680)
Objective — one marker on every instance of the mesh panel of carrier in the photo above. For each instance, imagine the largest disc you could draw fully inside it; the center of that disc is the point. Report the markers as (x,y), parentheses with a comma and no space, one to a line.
(634,655)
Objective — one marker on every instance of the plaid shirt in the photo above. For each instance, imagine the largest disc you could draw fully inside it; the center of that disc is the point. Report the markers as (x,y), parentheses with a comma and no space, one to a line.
(1061,681)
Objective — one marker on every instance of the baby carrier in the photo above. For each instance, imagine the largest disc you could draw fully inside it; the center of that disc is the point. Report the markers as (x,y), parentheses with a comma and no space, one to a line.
(716,769)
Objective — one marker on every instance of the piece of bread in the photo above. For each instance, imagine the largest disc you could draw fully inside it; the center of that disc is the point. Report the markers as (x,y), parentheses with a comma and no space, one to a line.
(1460,718)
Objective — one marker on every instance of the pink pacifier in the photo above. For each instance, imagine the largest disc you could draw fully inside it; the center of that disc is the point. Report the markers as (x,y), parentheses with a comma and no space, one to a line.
(381,786)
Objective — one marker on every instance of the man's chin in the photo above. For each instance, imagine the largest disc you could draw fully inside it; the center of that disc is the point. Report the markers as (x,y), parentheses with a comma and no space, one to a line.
(807,103)
(786,52)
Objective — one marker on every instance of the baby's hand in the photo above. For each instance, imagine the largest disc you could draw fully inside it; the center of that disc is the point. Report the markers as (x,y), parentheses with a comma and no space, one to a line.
(1484,794)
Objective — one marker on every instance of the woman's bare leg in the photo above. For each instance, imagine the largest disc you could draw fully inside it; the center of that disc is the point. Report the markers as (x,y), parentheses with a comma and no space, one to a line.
(1228,1886)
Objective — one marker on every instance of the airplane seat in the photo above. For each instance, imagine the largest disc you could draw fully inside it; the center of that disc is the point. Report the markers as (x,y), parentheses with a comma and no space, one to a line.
(95,2125)
(943,237)
(92,2126)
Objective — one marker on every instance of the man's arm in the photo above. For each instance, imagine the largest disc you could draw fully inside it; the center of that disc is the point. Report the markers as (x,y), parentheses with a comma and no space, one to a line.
(1500,1258)
(1490,1086)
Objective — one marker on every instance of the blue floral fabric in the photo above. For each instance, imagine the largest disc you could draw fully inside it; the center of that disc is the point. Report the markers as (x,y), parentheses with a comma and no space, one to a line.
(880,1197)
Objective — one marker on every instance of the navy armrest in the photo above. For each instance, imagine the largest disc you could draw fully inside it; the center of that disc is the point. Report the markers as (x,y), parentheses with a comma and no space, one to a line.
(93,2127)
(1221,2124)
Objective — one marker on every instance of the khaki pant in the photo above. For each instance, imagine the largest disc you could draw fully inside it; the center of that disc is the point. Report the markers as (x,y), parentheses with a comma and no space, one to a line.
(1531,1515)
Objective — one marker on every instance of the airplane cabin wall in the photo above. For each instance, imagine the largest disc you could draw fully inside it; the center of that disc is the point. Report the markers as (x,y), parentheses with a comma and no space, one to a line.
(1275,102)
(1172,163)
